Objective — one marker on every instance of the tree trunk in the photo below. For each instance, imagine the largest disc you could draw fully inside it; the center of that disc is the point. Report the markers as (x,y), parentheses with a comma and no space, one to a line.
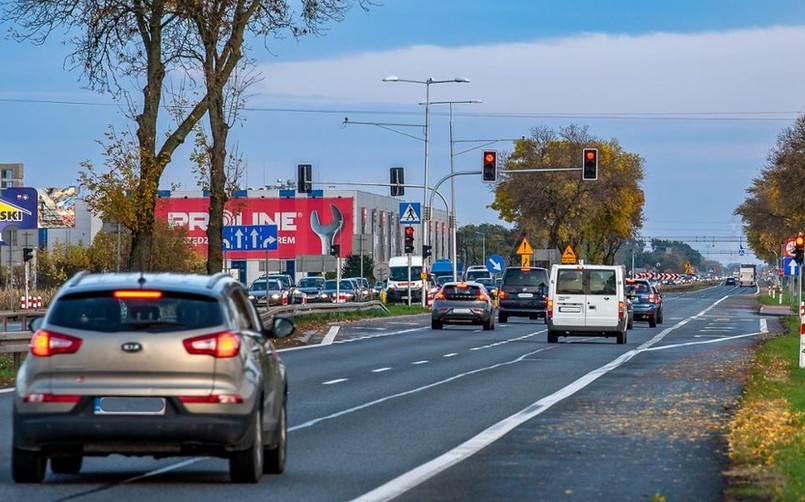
(218,195)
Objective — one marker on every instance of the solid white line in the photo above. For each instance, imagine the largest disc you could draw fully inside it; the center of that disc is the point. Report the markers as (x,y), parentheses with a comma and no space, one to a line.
(337,380)
(380,370)
(329,338)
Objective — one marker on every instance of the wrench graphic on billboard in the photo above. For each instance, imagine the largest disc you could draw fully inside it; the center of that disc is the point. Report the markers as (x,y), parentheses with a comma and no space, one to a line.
(327,232)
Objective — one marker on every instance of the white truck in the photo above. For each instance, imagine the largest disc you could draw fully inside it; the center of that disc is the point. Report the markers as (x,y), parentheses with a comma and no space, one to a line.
(398,287)
(746,275)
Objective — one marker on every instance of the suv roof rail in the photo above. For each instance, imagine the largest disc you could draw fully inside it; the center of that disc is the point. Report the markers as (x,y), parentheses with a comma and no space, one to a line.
(216,277)
(77,278)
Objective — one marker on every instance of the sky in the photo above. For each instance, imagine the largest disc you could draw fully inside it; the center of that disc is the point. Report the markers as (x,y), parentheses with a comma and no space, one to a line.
(699,89)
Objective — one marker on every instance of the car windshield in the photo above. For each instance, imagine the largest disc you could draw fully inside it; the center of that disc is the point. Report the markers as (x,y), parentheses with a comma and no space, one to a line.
(259,285)
(274,285)
(101,311)
(401,273)
(310,282)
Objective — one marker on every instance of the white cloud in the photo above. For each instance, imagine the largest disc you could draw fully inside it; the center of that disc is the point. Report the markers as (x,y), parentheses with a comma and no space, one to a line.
(734,71)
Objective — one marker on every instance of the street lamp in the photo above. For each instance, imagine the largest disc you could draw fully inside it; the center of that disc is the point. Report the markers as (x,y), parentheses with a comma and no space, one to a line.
(454,221)
(427,83)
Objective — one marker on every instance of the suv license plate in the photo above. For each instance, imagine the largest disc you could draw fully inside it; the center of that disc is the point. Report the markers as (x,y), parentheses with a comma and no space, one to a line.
(129,405)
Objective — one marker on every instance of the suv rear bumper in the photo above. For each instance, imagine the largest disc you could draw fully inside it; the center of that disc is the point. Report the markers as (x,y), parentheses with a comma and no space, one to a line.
(83,432)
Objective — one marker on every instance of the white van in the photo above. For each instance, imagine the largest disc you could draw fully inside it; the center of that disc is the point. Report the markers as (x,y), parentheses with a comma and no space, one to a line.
(587,300)
(398,285)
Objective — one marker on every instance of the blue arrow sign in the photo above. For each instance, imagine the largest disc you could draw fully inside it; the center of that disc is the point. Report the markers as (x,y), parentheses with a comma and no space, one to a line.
(790,267)
(250,238)
(495,264)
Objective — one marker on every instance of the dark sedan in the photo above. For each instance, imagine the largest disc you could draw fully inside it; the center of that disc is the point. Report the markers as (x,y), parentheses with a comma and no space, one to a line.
(463,303)
(345,293)
(313,287)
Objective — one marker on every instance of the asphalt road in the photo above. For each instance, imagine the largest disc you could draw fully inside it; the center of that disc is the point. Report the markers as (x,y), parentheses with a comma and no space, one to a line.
(385,409)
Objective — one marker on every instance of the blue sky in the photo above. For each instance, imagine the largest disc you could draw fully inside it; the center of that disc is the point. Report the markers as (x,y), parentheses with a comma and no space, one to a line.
(707,86)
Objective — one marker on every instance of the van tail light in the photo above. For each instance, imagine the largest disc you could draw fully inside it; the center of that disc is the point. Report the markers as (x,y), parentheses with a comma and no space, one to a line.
(212,399)
(550,309)
(621,309)
(50,398)
(47,343)
(218,345)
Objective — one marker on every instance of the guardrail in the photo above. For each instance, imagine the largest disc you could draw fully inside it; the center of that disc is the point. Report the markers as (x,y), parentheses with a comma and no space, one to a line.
(322,308)
(16,342)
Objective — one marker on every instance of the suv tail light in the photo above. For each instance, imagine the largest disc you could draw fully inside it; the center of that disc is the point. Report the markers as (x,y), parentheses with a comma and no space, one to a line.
(218,345)
(652,298)
(46,343)
(502,294)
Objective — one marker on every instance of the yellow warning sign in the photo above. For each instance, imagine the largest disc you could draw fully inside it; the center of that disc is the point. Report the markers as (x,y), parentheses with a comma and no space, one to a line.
(525,248)
(568,256)
(525,260)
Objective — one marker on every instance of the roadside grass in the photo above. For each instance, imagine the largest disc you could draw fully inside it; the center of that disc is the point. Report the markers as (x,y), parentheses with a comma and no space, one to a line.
(767,434)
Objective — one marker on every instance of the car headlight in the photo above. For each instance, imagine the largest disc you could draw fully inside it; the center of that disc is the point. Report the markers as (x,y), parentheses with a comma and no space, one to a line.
(275,296)
(251,297)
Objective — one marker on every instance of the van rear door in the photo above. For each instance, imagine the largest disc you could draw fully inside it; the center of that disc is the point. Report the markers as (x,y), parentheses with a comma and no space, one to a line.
(570,308)
(602,297)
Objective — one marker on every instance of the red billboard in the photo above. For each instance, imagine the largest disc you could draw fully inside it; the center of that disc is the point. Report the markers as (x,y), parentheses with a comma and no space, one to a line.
(304,225)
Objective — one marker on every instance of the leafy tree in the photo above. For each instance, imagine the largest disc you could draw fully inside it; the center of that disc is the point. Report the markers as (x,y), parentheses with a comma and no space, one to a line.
(474,240)
(775,209)
(352,267)
(557,209)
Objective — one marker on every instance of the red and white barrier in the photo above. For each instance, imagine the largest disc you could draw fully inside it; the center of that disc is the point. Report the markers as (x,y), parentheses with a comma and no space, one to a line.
(32,302)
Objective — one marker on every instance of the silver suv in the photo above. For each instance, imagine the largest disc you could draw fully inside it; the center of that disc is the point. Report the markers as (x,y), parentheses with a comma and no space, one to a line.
(151,364)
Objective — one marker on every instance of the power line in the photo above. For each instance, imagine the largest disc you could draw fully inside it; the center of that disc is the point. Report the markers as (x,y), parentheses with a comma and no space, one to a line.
(674,116)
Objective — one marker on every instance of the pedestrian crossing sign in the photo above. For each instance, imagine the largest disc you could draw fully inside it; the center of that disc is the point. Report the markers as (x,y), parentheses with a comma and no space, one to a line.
(410,213)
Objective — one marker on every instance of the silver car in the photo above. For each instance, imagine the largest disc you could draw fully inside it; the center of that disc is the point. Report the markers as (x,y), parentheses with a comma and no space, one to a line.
(151,364)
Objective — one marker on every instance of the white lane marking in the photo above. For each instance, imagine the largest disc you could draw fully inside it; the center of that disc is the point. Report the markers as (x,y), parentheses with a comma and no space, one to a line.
(367,337)
(6,391)
(312,422)
(420,362)
(337,380)
(451,354)
(163,470)
(420,474)
(380,370)
(764,328)
(702,342)
(329,338)
(510,340)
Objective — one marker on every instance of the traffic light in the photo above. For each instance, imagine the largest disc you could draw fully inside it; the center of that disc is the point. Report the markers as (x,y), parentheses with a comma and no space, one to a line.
(396,181)
(589,169)
(335,250)
(409,239)
(426,251)
(799,249)
(490,170)
(304,178)
(27,254)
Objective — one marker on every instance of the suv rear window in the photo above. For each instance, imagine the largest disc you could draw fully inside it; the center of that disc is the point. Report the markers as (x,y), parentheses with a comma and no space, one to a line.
(525,277)
(462,292)
(101,311)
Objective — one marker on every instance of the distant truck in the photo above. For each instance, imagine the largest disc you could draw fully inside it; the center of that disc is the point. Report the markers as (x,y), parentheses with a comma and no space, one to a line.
(444,267)
(747,275)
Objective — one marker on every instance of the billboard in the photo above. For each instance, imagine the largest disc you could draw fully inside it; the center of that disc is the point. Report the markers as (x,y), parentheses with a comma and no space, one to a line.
(18,208)
(57,207)
(305,226)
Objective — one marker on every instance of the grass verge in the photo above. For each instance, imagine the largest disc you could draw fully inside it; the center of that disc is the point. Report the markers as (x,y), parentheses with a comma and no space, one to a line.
(767,435)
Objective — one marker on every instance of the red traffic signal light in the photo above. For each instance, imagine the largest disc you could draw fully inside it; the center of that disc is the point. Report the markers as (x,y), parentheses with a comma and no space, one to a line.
(409,239)
(589,167)
(490,167)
